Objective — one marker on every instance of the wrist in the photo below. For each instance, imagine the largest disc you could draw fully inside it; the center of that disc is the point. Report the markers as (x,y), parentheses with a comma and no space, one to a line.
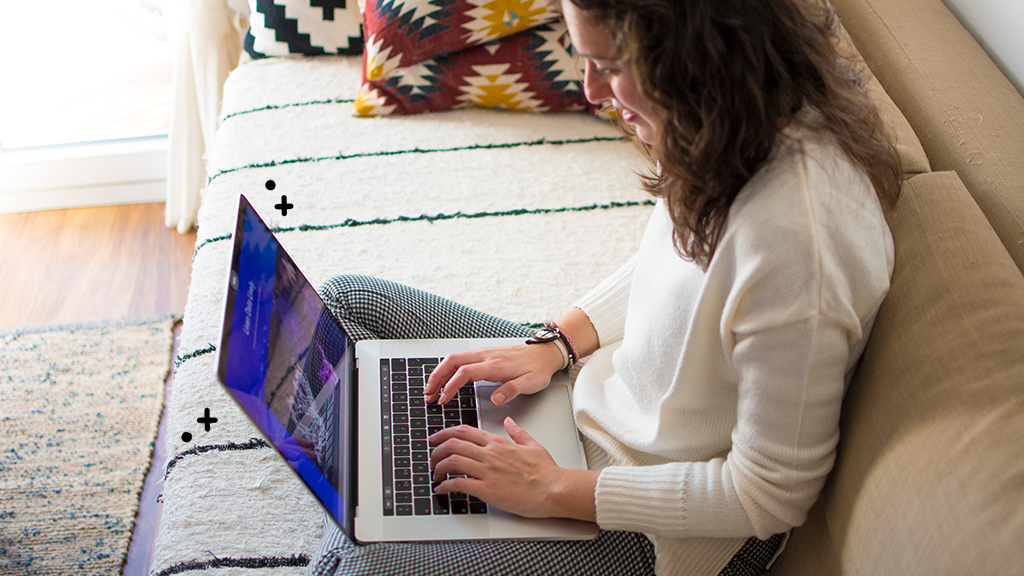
(573,494)
(554,358)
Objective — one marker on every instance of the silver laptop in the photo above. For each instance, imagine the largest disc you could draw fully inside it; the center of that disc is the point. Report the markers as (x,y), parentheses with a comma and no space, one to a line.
(350,418)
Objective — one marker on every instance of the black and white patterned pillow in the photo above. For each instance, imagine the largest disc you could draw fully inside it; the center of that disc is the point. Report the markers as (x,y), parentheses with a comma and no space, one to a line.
(304,27)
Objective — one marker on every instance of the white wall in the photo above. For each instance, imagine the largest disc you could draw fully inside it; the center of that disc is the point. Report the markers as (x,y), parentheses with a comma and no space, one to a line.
(998,25)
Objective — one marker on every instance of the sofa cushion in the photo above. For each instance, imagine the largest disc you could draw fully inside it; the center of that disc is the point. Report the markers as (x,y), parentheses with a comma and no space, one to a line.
(912,156)
(532,71)
(303,28)
(968,116)
(401,33)
(929,477)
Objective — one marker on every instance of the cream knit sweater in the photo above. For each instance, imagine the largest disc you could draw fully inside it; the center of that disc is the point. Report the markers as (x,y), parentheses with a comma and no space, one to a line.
(712,406)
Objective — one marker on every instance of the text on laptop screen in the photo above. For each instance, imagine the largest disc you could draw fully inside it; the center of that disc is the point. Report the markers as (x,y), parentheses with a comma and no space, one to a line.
(287,364)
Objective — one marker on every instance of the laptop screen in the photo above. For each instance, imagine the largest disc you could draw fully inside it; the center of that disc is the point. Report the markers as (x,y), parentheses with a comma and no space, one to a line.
(286,361)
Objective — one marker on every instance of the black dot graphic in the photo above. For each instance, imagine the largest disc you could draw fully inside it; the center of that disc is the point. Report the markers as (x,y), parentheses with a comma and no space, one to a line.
(271,185)
(186,437)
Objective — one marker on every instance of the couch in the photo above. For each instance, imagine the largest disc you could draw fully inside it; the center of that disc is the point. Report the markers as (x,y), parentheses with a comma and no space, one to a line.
(930,474)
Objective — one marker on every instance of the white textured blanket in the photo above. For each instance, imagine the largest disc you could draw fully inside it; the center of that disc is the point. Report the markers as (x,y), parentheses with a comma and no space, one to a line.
(513,214)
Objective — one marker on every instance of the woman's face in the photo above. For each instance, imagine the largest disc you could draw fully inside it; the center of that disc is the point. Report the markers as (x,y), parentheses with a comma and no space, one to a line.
(607,76)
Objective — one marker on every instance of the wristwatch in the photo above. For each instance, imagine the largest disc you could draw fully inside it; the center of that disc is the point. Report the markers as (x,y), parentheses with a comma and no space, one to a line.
(551,333)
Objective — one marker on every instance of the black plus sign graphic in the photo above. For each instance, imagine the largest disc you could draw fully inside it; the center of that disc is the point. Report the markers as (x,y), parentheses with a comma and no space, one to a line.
(206,420)
(284,206)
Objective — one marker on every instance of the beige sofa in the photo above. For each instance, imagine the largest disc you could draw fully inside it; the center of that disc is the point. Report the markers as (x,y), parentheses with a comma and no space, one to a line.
(930,474)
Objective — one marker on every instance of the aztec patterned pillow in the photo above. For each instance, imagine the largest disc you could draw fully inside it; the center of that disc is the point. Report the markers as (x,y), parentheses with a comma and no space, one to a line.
(533,70)
(401,33)
(303,27)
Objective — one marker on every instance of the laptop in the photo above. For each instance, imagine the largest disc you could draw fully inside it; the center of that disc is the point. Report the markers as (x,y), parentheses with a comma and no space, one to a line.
(350,418)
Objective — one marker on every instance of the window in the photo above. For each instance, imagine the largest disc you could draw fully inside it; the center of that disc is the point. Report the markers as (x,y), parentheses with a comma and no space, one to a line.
(86,103)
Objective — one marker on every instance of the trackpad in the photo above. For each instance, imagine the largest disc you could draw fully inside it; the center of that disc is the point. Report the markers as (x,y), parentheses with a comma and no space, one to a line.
(546,415)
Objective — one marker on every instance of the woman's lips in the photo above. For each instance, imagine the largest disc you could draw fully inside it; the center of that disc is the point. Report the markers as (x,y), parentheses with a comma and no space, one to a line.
(628,115)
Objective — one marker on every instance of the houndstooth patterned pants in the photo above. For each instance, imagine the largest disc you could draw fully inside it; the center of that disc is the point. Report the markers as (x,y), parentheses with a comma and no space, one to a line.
(370,308)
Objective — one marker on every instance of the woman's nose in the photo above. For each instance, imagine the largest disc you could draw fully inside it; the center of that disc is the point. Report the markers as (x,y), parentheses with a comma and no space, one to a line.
(595,85)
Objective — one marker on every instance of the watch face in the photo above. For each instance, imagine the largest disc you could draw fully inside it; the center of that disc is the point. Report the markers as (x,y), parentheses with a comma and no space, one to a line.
(545,335)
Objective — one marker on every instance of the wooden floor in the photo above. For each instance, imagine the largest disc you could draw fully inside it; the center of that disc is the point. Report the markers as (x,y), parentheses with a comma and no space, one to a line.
(84,264)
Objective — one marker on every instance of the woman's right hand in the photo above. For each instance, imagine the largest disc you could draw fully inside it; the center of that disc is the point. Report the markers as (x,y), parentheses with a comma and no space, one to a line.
(522,369)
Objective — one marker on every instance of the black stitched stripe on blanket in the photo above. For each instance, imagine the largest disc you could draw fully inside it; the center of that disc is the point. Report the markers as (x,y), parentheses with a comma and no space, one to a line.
(258,562)
(252,444)
(289,105)
(201,352)
(351,223)
(541,142)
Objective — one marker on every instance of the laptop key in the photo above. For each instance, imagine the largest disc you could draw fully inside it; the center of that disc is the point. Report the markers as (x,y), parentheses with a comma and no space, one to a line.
(469,417)
(422,506)
(421,490)
(440,503)
(477,508)
(457,506)
(403,497)
(403,509)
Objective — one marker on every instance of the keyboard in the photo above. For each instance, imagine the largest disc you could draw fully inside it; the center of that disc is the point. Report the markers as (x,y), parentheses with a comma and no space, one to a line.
(407,420)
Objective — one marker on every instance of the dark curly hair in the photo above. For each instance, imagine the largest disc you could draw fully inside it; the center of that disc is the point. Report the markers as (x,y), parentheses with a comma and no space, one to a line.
(723,73)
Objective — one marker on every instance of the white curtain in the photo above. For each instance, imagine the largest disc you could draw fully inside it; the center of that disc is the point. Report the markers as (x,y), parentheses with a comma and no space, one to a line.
(205,37)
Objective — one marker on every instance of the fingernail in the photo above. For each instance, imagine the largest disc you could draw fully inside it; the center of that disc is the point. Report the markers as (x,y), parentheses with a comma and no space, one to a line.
(498,398)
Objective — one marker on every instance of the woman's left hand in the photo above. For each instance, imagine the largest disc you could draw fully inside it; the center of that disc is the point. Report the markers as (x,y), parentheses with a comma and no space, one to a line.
(519,476)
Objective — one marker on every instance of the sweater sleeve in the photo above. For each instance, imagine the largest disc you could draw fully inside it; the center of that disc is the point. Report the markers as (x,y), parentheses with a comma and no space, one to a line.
(607,302)
(783,446)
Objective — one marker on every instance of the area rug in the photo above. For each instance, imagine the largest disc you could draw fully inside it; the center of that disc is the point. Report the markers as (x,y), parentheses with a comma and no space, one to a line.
(79,410)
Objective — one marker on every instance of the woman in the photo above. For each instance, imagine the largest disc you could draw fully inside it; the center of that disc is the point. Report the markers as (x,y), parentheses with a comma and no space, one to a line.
(720,354)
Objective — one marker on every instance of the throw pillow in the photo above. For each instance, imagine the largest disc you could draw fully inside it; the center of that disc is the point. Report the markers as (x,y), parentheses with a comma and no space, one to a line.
(533,70)
(401,33)
(303,27)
